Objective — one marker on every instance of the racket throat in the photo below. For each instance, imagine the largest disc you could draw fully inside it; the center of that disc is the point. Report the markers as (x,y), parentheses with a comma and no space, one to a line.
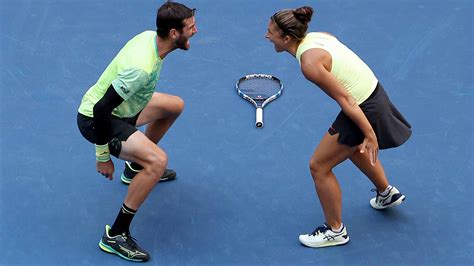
(259,117)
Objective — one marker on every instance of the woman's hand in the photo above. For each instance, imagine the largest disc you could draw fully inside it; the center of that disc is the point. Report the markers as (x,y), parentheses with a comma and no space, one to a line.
(106,169)
(371,146)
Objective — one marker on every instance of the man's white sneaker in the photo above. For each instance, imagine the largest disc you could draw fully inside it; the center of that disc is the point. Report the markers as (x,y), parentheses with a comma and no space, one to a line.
(393,198)
(323,236)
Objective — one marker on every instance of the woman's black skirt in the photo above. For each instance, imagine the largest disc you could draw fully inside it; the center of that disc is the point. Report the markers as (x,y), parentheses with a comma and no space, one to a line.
(390,127)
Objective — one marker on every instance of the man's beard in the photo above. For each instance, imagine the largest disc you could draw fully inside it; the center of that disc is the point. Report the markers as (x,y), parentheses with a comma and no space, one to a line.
(181,43)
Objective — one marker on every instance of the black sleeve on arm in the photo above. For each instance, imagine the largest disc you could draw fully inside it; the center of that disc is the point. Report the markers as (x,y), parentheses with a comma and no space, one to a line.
(103,114)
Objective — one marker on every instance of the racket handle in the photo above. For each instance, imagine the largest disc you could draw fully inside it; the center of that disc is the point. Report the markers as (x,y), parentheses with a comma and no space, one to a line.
(259,117)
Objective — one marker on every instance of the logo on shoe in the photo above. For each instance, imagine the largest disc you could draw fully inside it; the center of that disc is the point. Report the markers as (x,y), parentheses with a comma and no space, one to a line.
(330,237)
(132,254)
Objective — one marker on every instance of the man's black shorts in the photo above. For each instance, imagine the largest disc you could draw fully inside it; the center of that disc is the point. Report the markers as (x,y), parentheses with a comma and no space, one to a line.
(121,129)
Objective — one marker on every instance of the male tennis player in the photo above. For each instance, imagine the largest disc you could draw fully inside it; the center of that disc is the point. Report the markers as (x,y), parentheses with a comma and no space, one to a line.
(124,98)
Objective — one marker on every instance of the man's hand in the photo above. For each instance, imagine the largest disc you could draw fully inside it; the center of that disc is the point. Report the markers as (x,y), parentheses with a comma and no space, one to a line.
(371,146)
(106,169)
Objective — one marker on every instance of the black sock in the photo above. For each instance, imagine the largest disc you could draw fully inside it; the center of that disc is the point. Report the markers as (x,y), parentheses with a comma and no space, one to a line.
(136,166)
(122,222)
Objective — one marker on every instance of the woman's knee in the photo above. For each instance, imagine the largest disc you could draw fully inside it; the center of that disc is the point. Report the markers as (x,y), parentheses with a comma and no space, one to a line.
(319,169)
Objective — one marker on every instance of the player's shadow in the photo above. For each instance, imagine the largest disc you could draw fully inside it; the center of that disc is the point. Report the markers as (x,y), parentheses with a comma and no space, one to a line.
(392,213)
(180,215)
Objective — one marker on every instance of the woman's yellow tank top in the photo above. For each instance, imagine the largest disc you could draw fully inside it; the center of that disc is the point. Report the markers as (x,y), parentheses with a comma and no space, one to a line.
(356,77)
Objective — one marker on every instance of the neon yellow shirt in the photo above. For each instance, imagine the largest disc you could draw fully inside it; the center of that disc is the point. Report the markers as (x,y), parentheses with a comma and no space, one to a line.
(354,75)
(133,73)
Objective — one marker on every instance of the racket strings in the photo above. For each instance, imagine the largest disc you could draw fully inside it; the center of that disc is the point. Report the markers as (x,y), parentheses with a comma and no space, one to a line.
(259,87)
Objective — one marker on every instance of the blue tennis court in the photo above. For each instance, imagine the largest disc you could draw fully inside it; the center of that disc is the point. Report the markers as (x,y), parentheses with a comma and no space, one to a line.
(243,195)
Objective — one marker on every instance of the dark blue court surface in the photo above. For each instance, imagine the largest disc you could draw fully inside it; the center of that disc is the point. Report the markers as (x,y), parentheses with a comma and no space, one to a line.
(243,195)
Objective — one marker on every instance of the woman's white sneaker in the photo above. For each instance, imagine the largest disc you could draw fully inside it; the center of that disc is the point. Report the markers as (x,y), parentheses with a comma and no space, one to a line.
(323,236)
(393,198)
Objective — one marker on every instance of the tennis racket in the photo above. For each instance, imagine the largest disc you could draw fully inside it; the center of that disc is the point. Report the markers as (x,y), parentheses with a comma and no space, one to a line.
(259,89)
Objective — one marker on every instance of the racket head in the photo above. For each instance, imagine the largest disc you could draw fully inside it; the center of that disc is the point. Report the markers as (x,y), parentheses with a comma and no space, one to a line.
(259,89)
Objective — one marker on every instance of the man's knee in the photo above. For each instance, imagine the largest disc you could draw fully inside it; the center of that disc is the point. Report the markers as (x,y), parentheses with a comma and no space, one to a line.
(178,105)
(156,164)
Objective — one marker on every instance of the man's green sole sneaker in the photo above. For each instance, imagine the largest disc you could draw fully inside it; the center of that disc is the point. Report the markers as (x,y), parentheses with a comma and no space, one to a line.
(123,245)
(129,173)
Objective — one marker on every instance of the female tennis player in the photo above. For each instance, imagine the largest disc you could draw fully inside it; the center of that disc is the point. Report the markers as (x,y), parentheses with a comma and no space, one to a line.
(368,120)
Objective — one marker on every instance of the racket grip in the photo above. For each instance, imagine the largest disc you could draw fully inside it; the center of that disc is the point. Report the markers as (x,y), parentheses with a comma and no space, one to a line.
(259,117)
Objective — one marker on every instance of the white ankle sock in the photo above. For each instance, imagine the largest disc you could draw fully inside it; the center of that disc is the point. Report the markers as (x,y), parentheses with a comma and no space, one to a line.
(339,229)
(386,191)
